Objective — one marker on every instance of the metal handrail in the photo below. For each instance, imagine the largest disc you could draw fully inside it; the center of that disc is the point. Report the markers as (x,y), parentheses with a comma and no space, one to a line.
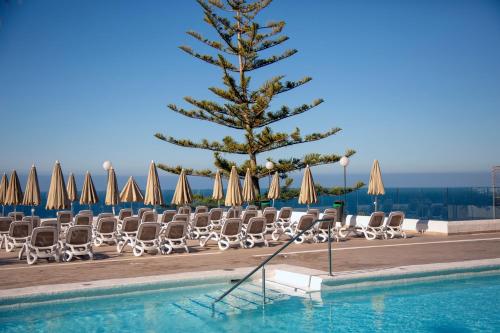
(262,264)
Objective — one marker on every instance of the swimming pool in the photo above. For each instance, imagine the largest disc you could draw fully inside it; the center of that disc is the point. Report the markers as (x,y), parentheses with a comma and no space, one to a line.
(467,304)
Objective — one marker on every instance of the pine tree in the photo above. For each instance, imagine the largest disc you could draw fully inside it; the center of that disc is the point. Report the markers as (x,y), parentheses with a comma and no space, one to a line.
(240,42)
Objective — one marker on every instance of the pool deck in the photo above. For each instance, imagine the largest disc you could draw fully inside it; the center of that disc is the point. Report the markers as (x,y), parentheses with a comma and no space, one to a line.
(351,255)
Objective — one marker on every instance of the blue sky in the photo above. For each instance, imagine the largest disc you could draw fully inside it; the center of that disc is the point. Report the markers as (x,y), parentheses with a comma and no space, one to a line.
(415,84)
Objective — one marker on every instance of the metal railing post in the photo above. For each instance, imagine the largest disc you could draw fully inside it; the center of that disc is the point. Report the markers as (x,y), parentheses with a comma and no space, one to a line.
(330,249)
(263,285)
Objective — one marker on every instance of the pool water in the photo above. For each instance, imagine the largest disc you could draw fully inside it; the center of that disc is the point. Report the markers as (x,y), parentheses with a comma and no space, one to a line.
(461,305)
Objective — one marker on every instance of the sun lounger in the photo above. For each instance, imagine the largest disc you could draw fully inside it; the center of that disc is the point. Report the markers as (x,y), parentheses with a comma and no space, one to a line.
(19,233)
(167,216)
(200,226)
(181,218)
(124,213)
(282,222)
(142,210)
(322,228)
(4,228)
(201,209)
(393,226)
(42,244)
(82,219)
(251,207)
(34,220)
(127,233)
(255,232)
(146,238)
(106,231)
(16,216)
(78,242)
(184,210)
(230,234)
(375,227)
(215,217)
(247,215)
(65,218)
(270,214)
(233,212)
(173,236)
(314,212)
(304,223)
(149,216)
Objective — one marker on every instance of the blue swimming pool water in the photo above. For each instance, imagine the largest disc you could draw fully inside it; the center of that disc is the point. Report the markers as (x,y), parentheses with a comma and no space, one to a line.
(461,305)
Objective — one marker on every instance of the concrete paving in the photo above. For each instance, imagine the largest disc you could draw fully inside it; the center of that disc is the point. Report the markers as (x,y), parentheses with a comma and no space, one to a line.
(349,255)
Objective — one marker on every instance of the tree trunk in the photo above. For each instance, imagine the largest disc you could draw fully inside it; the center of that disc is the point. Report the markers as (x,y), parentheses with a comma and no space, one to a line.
(255,180)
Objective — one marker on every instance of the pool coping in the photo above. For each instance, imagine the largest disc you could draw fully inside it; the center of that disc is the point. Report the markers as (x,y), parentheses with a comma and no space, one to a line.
(340,280)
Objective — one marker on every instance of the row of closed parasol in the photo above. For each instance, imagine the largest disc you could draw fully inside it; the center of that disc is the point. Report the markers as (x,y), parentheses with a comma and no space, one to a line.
(60,196)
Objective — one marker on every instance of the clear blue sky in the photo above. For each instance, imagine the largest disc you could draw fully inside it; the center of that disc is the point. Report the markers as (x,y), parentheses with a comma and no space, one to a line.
(415,84)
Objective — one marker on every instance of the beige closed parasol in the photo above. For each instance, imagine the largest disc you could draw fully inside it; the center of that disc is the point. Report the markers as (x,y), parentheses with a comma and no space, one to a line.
(153,189)
(89,194)
(72,190)
(233,193)
(376,185)
(4,184)
(182,195)
(112,197)
(57,198)
(248,188)
(32,191)
(218,191)
(131,192)
(14,195)
(307,194)
(274,188)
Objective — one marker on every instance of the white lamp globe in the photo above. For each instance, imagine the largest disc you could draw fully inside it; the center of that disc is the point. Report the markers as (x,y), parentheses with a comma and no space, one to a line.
(106,165)
(269,165)
(344,161)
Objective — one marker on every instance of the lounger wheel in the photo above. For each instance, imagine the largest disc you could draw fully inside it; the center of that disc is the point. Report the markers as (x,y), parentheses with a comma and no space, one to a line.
(9,246)
(275,235)
(385,235)
(98,242)
(138,251)
(31,258)
(299,240)
(67,255)
(223,245)
(20,255)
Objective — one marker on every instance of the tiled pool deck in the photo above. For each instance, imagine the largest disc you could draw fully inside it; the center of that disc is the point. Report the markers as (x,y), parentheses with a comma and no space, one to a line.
(350,255)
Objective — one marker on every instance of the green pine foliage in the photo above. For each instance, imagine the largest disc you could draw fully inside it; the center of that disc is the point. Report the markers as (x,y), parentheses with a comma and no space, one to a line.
(237,52)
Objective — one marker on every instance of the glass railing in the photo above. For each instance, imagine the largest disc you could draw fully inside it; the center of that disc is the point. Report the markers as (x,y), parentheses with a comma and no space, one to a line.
(448,204)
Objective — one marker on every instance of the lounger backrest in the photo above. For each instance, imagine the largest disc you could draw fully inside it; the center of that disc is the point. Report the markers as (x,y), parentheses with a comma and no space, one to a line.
(330,217)
(330,211)
(168,216)
(314,212)
(395,219)
(142,210)
(64,216)
(148,231)
(285,213)
(216,214)
(231,227)
(232,213)
(247,215)
(79,234)
(34,220)
(124,213)
(20,229)
(251,207)
(201,209)
(86,212)
(106,225)
(181,218)
(5,224)
(83,219)
(51,223)
(201,220)
(103,215)
(257,225)
(17,216)
(44,236)
(376,219)
(130,224)
(270,215)
(176,230)
(305,221)
(184,210)
(149,216)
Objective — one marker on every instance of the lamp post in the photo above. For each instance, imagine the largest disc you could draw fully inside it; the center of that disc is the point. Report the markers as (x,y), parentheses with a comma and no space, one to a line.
(344,162)
(106,165)
(269,167)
